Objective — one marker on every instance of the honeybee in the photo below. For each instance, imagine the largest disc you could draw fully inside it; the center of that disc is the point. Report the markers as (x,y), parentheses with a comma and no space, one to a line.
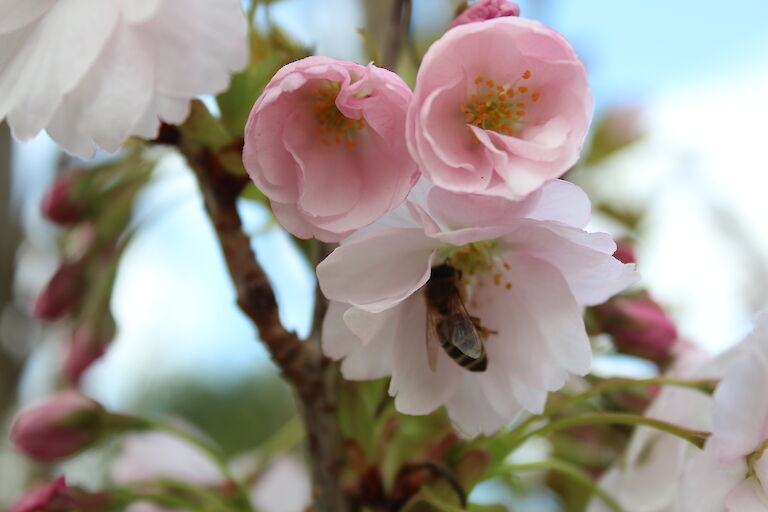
(449,324)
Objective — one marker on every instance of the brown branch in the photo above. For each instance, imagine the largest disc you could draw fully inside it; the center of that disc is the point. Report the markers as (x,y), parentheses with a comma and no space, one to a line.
(399,18)
(302,364)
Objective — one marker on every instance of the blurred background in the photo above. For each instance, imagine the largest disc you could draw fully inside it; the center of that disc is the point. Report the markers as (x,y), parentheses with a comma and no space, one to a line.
(675,166)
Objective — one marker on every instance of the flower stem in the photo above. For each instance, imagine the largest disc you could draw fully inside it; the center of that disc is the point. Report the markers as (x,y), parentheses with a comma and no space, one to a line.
(705,386)
(695,437)
(570,470)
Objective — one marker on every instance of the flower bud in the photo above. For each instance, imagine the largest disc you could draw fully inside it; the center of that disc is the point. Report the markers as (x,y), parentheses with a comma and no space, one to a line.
(639,327)
(60,205)
(62,293)
(87,344)
(63,425)
(57,496)
(625,253)
(486,10)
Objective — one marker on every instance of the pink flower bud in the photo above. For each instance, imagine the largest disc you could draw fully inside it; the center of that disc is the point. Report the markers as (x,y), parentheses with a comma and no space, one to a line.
(62,293)
(58,497)
(59,427)
(639,327)
(625,253)
(87,344)
(486,10)
(59,204)
(53,497)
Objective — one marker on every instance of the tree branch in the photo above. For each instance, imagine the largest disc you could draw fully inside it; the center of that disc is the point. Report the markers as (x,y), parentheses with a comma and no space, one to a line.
(302,364)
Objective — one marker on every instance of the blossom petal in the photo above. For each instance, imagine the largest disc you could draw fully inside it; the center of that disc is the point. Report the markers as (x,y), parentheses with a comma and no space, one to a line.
(747,497)
(584,259)
(707,481)
(336,339)
(378,270)
(562,201)
(416,388)
(471,412)
(15,14)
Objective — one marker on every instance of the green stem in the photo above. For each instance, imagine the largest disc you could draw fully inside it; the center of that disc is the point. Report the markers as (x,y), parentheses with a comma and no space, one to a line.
(695,437)
(705,386)
(570,470)
(212,453)
(129,496)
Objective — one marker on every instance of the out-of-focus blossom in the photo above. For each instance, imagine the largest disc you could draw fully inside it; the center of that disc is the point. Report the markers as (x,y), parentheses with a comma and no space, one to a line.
(93,74)
(525,276)
(57,496)
(731,473)
(649,476)
(53,497)
(486,10)
(639,327)
(63,425)
(87,343)
(325,142)
(282,487)
(62,293)
(60,204)
(500,108)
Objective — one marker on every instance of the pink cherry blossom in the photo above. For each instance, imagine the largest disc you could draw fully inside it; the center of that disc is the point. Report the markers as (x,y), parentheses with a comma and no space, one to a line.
(59,427)
(325,143)
(526,276)
(500,108)
(53,496)
(486,10)
(92,74)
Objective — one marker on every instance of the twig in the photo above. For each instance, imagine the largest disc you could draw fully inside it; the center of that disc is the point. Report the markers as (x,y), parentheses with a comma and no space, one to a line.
(302,364)
(400,9)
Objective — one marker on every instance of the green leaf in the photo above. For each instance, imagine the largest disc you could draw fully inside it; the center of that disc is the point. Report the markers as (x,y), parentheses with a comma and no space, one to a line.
(204,128)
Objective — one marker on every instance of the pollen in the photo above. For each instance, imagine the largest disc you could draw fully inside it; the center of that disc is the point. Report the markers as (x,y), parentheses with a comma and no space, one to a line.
(508,286)
(333,127)
(491,107)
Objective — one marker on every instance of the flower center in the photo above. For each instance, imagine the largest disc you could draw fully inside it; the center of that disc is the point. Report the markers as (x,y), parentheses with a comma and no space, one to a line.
(333,127)
(498,107)
(477,258)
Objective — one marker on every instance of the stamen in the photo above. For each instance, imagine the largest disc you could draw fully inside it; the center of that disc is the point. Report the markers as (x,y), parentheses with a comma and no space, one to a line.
(330,120)
(491,106)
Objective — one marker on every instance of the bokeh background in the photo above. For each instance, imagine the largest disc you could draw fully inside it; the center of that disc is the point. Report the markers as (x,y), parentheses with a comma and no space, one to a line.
(682,87)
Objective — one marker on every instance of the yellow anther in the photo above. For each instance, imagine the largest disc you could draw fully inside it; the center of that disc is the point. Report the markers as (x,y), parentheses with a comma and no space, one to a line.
(523,89)
(535,96)
(527,74)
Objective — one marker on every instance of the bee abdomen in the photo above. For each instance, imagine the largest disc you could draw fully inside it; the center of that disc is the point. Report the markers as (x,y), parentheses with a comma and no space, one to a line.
(468,363)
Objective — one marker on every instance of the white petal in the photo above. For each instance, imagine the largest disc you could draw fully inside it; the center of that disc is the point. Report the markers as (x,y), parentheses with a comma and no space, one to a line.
(740,413)
(15,14)
(110,101)
(562,201)
(378,270)
(53,61)
(471,412)
(212,33)
(336,338)
(707,481)
(416,388)
(747,497)
(584,259)
(136,11)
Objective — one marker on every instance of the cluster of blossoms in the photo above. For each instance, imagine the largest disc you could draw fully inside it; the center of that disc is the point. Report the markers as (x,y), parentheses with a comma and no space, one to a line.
(458,177)
(662,473)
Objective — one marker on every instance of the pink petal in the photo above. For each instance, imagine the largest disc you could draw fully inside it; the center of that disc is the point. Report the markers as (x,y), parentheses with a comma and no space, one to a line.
(378,270)
(471,412)
(707,481)
(15,14)
(336,339)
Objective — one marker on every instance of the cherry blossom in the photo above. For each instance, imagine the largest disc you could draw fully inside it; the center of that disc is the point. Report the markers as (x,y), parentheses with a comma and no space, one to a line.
(92,74)
(525,276)
(500,108)
(325,143)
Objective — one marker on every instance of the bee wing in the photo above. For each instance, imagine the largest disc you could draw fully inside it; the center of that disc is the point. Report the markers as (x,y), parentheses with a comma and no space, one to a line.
(433,341)
(464,335)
